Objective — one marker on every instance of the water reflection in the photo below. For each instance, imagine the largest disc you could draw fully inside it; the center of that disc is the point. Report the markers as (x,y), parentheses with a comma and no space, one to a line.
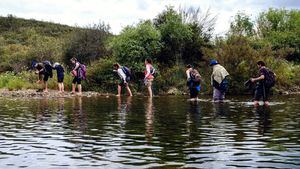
(123,109)
(79,115)
(133,132)
(264,120)
(149,119)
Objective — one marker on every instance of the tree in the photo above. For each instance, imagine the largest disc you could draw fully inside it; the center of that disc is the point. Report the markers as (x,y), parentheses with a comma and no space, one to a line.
(135,44)
(174,34)
(88,44)
(242,25)
(280,27)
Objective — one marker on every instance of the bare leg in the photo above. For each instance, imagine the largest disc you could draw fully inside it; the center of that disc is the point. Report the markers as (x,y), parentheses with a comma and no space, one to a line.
(128,89)
(119,90)
(62,87)
(46,87)
(73,87)
(59,87)
(256,103)
(150,91)
(79,89)
(266,103)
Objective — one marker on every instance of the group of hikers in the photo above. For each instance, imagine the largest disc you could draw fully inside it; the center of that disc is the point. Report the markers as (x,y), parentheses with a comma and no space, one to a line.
(219,79)
(264,81)
(44,71)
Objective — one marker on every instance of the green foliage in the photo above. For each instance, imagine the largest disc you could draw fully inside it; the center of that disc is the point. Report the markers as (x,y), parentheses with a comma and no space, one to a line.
(11,81)
(135,44)
(242,25)
(280,27)
(101,76)
(174,34)
(88,44)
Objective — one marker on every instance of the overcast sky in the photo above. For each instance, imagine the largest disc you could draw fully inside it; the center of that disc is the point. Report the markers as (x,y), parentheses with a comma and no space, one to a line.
(119,13)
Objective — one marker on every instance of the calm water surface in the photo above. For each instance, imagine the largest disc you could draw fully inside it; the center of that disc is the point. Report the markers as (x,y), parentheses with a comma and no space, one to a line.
(139,132)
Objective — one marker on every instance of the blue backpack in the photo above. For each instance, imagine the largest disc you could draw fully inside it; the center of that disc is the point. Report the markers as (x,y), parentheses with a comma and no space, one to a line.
(126,71)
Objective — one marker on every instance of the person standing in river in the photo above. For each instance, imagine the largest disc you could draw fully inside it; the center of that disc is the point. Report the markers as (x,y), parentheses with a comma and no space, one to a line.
(219,81)
(193,81)
(264,82)
(76,73)
(149,76)
(123,73)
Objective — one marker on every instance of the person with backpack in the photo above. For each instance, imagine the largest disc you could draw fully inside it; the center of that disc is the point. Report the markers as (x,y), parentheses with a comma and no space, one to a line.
(60,76)
(124,74)
(44,70)
(193,81)
(149,76)
(219,81)
(264,82)
(78,75)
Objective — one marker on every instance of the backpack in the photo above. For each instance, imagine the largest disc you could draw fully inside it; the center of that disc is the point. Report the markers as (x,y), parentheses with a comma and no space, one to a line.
(224,85)
(270,79)
(195,75)
(83,71)
(48,68)
(126,71)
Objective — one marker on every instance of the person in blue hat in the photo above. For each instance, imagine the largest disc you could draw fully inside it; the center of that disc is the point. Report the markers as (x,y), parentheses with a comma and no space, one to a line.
(193,81)
(219,81)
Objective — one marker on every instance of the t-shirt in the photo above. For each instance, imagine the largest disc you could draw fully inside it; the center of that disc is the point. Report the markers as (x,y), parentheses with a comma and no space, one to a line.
(147,72)
(60,70)
(39,67)
(262,71)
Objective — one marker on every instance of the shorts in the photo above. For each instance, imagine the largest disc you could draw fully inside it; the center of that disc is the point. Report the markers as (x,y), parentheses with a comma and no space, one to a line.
(60,79)
(46,77)
(261,92)
(218,95)
(121,83)
(148,82)
(76,80)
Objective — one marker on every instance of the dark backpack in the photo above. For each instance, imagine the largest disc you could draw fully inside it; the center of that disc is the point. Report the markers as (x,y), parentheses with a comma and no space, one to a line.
(270,78)
(126,71)
(195,75)
(153,71)
(48,68)
(223,86)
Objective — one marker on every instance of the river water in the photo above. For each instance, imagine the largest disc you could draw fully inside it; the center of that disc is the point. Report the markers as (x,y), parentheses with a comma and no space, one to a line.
(139,132)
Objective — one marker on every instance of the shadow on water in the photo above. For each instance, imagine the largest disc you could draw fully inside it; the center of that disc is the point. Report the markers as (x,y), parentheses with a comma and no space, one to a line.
(140,132)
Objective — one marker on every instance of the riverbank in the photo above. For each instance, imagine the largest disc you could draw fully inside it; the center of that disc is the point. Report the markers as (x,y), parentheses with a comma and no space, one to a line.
(30,93)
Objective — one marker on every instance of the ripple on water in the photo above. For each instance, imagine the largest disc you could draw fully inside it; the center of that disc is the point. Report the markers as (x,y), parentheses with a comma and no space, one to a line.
(165,132)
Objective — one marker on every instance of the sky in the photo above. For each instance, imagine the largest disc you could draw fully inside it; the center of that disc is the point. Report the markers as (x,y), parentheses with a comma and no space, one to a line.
(120,13)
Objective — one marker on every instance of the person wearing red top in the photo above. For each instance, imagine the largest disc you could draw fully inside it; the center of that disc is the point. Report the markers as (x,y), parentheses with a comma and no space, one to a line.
(149,76)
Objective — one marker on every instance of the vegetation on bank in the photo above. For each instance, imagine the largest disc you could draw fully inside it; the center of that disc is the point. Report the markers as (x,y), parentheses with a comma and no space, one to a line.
(172,39)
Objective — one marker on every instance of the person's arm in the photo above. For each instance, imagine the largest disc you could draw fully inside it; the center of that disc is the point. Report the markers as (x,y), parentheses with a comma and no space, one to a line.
(76,66)
(122,74)
(188,76)
(261,77)
(148,71)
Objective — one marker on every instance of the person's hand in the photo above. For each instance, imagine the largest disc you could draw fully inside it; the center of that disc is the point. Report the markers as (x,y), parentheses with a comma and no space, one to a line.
(252,80)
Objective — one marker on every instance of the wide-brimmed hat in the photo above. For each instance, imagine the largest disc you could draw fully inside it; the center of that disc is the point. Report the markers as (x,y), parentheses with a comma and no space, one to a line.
(213,62)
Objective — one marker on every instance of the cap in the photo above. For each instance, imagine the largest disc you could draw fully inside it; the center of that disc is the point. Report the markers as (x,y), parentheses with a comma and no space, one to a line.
(213,62)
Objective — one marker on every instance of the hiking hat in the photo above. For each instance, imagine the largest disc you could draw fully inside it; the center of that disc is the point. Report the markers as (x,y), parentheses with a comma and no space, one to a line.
(213,62)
